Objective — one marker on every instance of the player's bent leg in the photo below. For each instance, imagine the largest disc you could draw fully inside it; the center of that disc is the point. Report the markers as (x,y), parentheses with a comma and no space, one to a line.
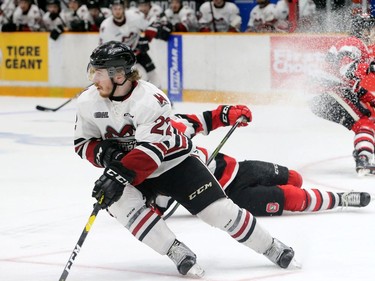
(148,227)
(132,212)
(243,227)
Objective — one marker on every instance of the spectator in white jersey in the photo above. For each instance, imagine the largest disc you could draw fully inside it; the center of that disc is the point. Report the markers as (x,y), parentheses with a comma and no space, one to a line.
(97,14)
(219,16)
(182,17)
(52,20)
(263,17)
(76,17)
(28,16)
(159,27)
(152,11)
(128,26)
(7,8)
(156,156)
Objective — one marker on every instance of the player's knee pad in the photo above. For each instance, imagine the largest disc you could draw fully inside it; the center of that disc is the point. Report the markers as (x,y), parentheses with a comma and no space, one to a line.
(295,198)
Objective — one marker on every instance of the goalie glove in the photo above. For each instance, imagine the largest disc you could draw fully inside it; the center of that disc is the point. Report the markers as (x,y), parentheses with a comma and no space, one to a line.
(110,186)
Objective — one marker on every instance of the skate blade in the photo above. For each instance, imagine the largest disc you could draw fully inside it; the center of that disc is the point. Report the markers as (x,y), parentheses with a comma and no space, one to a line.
(195,272)
(365,172)
(294,264)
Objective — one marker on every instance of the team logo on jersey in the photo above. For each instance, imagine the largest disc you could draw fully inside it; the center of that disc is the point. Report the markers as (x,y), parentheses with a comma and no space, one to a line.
(272,208)
(101,115)
(161,99)
(126,131)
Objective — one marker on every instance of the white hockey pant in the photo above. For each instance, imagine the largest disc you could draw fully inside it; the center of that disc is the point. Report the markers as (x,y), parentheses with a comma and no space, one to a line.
(239,223)
(148,227)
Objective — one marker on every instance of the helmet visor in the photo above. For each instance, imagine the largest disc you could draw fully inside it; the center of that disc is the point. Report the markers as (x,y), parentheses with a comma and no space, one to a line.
(97,74)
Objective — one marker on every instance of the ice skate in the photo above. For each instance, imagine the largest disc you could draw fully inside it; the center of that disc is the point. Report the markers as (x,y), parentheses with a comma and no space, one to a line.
(363,165)
(354,199)
(185,260)
(280,254)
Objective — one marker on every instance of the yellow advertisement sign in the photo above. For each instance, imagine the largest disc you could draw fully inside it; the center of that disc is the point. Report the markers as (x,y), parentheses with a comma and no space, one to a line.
(24,56)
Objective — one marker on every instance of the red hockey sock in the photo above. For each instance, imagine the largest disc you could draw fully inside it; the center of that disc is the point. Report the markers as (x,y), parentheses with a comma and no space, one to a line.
(295,198)
(295,178)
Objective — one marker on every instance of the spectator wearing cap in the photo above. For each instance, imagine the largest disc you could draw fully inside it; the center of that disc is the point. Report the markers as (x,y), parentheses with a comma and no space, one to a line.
(96,14)
(76,17)
(182,17)
(27,16)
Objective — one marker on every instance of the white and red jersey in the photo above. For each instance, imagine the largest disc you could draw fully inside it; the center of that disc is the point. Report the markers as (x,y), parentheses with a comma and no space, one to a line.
(348,60)
(128,33)
(51,24)
(224,167)
(225,17)
(6,11)
(31,21)
(154,13)
(262,19)
(69,16)
(144,115)
(185,18)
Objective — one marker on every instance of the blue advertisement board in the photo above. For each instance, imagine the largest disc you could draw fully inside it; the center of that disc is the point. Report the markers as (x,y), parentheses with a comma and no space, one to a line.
(175,74)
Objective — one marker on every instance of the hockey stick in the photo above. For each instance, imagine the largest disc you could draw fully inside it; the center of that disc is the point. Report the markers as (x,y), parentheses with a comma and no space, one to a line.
(212,157)
(81,239)
(44,108)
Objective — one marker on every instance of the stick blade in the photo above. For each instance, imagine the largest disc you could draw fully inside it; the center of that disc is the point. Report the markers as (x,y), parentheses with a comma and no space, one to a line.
(42,108)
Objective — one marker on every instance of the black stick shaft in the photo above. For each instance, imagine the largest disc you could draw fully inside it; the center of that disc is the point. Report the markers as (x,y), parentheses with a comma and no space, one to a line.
(79,244)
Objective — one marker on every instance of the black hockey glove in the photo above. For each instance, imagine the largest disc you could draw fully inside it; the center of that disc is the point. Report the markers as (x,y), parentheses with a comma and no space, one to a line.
(142,46)
(55,33)
(371,68)
(106,151)
(164,31)
(109,187)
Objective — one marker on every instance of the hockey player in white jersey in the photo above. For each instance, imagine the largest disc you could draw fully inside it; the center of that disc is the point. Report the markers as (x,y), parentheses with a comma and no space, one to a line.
(52,20)
(76,17)
(127,26)
(28,16)
(219,16)
(151,11)
(182,17)
(120,107)
(263,17)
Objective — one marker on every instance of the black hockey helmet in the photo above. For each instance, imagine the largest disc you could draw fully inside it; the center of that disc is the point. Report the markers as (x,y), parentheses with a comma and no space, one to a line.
(93,4)
(117,2)
(361,23)
(112,56)
(53,2)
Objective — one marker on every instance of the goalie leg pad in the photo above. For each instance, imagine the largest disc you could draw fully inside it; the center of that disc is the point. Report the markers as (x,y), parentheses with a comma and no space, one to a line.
(142,222)
(239,223)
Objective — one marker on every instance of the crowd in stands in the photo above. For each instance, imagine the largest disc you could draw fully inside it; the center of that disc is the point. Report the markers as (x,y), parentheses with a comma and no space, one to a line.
(57,16)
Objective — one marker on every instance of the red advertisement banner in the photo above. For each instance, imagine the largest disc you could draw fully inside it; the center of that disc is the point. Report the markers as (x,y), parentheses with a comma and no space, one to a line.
(295,59)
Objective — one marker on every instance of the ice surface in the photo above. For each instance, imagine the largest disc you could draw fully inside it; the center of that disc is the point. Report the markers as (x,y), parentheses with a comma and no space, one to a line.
(46,201)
